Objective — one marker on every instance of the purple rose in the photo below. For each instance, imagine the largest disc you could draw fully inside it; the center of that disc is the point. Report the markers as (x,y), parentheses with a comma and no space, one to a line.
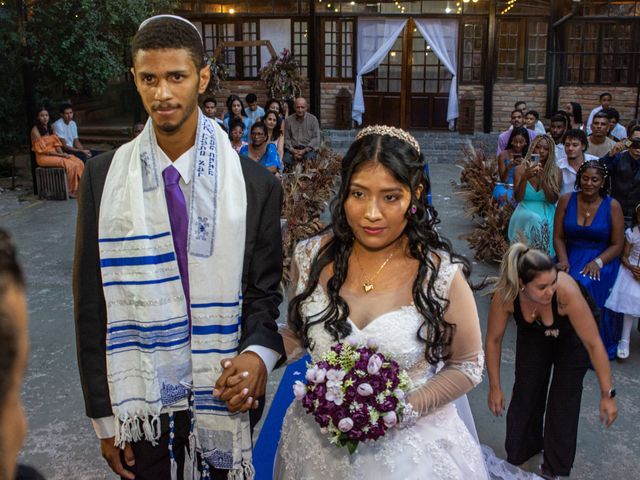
(320,390)
(374,364)
(360,419)
(307,403)
(377,384)
(323,420)
(364,390)
(299,390)
(365,354)
(350,394)
(376,430)
(345,425)
(388,405)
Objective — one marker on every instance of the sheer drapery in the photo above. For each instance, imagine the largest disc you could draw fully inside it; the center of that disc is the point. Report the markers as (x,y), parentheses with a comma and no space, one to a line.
(278,32)
(442,36)
(376,36)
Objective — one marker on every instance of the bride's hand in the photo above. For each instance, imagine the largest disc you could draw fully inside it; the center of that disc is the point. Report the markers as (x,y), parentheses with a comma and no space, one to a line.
(496,401)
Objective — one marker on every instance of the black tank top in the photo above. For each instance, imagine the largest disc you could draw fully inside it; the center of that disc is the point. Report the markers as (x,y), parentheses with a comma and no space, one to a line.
(560,325)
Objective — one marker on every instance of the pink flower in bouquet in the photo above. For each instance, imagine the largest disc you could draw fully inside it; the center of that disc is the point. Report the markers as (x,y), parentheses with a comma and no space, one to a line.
(334,394)
(390,419)
(374,365)
(364,390)
(334,378)
(345,424)
(316,375)
(299,390)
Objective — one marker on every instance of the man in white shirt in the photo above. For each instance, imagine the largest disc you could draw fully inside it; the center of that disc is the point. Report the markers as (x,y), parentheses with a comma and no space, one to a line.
(253,111)
(66,128)
(605,101)
(575,146)
(616,131)
(210,109)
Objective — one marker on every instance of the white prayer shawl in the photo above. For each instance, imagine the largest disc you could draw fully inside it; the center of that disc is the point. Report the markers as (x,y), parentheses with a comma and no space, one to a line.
(152,353)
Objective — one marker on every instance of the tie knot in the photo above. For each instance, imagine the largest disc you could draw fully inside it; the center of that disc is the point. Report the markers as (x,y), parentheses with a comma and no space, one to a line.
(170,175)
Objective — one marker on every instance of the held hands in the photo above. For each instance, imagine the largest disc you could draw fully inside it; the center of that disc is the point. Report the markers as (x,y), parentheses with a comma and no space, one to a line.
(608,411)
(591,270)
(111,454)
(496,401)
(242,382)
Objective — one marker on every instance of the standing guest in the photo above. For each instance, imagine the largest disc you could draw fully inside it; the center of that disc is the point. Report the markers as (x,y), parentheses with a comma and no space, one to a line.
(537,188)
(625,294)
(574,110)
(557,336)
(574,155)
(275,133)
(236,132)
(48,148)
(237,110)
(605,102)
(508,160)
(262,151)
(517,120)
(137,129)
(66,128)
(253,111)
(522,106)
(623,163)
(599,143)
(274,105)
(532,122)
(557,128)
(176,278)
(210,109)
(301,135)
(616,131)
(588,235)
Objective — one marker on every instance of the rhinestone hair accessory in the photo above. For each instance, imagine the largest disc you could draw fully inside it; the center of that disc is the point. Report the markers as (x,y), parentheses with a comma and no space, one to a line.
(392,132)
(172,17)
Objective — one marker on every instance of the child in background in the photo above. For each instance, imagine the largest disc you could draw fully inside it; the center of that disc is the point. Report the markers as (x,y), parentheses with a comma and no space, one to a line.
(625,294)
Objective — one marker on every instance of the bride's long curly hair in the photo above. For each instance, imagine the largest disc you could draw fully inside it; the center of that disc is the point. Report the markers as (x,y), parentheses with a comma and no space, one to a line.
(408,167)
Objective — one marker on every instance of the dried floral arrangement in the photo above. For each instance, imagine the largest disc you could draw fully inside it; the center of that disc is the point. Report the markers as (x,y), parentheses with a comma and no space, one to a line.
(282,76)
(307,192)
(488,239)
(218,74)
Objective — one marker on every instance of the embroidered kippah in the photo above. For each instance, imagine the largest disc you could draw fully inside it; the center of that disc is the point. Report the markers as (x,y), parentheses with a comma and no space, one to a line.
(392,132)
(172,17)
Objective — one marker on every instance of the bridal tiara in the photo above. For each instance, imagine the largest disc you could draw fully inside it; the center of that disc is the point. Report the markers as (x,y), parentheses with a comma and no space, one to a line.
(392,132)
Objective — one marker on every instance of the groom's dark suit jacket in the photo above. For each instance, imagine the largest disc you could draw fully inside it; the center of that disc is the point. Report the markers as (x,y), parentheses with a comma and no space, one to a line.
(261,275)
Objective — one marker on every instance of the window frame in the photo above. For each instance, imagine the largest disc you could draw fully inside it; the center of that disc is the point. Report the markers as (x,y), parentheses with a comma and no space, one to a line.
(304,68)
(238,33)
(485,38)
(522,55)
(339,49)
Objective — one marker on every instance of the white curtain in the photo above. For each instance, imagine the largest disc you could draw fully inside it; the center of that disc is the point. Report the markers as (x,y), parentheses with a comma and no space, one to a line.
(278,32)
(376,36)
(442,36)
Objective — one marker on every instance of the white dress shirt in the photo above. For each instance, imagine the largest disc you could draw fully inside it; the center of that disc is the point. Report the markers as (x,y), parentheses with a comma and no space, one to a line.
(105,426)
(68,132)
(568,172)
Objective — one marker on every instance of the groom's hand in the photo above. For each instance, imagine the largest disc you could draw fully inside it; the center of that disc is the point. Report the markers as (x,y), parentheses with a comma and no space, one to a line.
(242,382)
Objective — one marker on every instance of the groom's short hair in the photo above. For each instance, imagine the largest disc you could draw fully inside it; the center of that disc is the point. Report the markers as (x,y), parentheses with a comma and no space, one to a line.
(170,33)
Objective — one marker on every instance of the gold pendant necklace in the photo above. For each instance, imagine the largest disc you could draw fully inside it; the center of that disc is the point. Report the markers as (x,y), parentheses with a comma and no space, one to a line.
(367,285)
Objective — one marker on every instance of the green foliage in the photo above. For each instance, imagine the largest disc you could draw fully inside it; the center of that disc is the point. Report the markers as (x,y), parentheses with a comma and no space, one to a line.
(12,120)
(78,46)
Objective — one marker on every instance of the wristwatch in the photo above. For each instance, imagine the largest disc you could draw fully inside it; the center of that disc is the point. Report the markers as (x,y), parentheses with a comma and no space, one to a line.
(611,393)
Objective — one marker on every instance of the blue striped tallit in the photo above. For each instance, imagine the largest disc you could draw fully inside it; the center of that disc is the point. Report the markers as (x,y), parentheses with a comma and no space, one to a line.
(159,350)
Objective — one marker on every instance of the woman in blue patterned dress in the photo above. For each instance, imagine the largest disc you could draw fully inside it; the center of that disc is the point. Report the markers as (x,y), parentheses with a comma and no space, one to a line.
(508,160)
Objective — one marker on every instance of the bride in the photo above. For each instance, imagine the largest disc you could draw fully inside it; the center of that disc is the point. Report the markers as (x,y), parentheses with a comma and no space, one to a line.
(384,273)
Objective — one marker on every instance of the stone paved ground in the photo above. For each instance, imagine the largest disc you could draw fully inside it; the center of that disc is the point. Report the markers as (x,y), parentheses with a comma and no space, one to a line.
(62,444)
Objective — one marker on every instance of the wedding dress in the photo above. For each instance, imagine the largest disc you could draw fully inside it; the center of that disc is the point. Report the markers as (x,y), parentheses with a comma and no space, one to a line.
(438,446)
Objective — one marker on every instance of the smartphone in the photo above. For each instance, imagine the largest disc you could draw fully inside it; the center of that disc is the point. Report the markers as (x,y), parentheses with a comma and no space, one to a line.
(627,143)
(535,159)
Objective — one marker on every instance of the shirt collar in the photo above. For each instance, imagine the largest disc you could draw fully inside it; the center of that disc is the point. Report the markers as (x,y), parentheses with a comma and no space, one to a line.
(184,163)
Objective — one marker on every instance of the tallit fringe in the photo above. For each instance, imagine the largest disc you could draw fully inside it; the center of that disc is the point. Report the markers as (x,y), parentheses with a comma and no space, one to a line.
(134,429)
(245,472)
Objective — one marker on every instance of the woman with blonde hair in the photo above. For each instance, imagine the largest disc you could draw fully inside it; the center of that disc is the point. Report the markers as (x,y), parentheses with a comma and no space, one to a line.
(557,333)
(537,186)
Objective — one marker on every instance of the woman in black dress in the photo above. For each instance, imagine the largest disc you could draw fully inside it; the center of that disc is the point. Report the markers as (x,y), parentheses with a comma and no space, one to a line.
(556,331)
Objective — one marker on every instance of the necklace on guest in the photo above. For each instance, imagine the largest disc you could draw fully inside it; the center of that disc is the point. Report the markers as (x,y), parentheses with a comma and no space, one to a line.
(367,285)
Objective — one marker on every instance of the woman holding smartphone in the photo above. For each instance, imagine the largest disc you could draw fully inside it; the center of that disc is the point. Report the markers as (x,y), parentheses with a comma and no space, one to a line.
(508,160)
(536,189)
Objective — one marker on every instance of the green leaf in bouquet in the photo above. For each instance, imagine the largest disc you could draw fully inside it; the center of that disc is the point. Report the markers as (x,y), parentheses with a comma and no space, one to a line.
(352,446)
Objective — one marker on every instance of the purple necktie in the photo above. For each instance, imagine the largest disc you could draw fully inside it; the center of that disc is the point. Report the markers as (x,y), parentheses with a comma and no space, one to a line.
(179,220)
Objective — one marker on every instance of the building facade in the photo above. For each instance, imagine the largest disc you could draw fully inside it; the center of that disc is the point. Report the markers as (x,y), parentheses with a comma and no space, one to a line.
(546,52)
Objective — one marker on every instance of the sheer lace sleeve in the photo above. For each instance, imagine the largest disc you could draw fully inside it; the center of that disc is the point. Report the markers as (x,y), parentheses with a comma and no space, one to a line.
(303,255)
(463,370)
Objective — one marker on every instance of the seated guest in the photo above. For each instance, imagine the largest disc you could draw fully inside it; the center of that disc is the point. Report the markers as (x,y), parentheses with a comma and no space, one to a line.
(605,102)
(574,155)
(508,160)
(236,110)
(274,105)
(301,136)
(262,151)
(210,109)
(536,189)
(532,122)
(623,163)
(65,128)
(575,114)
(14,350)
(517,120)
(253,111)
(616,131)
(599,143)
(588,235)
(275,134)
(48,148)
(522,106)
(557,128)
(236,131)
(137,129)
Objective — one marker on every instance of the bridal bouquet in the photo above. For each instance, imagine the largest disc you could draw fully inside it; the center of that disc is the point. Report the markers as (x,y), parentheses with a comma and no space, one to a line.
(355,393)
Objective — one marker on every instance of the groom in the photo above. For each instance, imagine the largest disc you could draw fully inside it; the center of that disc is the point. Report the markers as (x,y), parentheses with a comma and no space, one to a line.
(176,278)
